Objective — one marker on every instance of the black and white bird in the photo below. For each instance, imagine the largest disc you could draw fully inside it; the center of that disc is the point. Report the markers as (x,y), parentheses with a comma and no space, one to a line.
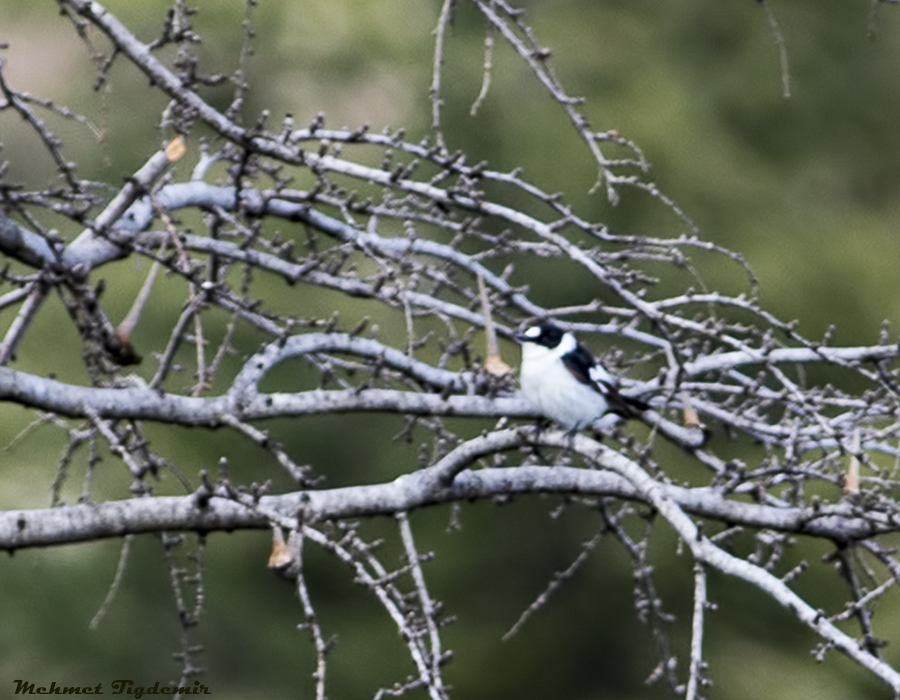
(564,382)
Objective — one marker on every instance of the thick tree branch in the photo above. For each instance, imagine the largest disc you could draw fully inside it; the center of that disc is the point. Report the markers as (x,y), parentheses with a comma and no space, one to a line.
(83,523)
(143,403)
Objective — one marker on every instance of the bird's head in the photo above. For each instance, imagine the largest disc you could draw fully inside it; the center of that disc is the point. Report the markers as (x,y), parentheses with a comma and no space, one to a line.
(545,334)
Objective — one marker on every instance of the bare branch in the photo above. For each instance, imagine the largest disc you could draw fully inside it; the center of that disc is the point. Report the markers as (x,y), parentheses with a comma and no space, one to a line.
(318,270)
(695,680)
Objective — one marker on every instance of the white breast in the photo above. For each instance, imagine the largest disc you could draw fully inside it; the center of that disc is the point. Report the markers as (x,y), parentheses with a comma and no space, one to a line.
(547,384)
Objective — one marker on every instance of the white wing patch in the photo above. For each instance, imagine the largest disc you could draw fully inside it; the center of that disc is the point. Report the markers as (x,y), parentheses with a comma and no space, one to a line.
(566,345)
(599,374)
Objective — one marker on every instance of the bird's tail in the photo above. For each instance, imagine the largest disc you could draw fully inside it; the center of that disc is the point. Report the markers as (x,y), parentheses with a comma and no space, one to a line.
(625,406)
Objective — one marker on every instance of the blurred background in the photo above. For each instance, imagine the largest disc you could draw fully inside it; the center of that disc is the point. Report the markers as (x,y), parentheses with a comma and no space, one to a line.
(806,188)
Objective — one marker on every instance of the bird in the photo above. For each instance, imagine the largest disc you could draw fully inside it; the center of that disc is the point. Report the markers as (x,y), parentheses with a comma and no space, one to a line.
(561,379)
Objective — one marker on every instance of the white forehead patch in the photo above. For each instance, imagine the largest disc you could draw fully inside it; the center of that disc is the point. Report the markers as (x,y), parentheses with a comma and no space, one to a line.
(532,332)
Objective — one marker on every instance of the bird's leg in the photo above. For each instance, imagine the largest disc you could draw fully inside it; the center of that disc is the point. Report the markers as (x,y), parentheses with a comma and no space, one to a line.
(567,448)
(570,439)
(539,427)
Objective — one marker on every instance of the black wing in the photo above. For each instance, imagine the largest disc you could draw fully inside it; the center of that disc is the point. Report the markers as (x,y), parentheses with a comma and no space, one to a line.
(580,362)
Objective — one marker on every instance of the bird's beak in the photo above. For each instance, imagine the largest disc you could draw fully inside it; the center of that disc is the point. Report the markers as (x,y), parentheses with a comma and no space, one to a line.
(521,339)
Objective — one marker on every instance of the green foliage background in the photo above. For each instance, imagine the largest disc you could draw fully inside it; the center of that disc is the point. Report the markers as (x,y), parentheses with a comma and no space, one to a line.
(806,188)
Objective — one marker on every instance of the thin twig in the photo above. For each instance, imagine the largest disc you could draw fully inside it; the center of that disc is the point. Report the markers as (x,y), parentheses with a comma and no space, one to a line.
(695,679)
(115,585)
(312,623)
(782,49)
(23,319)
(435,93)
(428,607)
(558,579)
